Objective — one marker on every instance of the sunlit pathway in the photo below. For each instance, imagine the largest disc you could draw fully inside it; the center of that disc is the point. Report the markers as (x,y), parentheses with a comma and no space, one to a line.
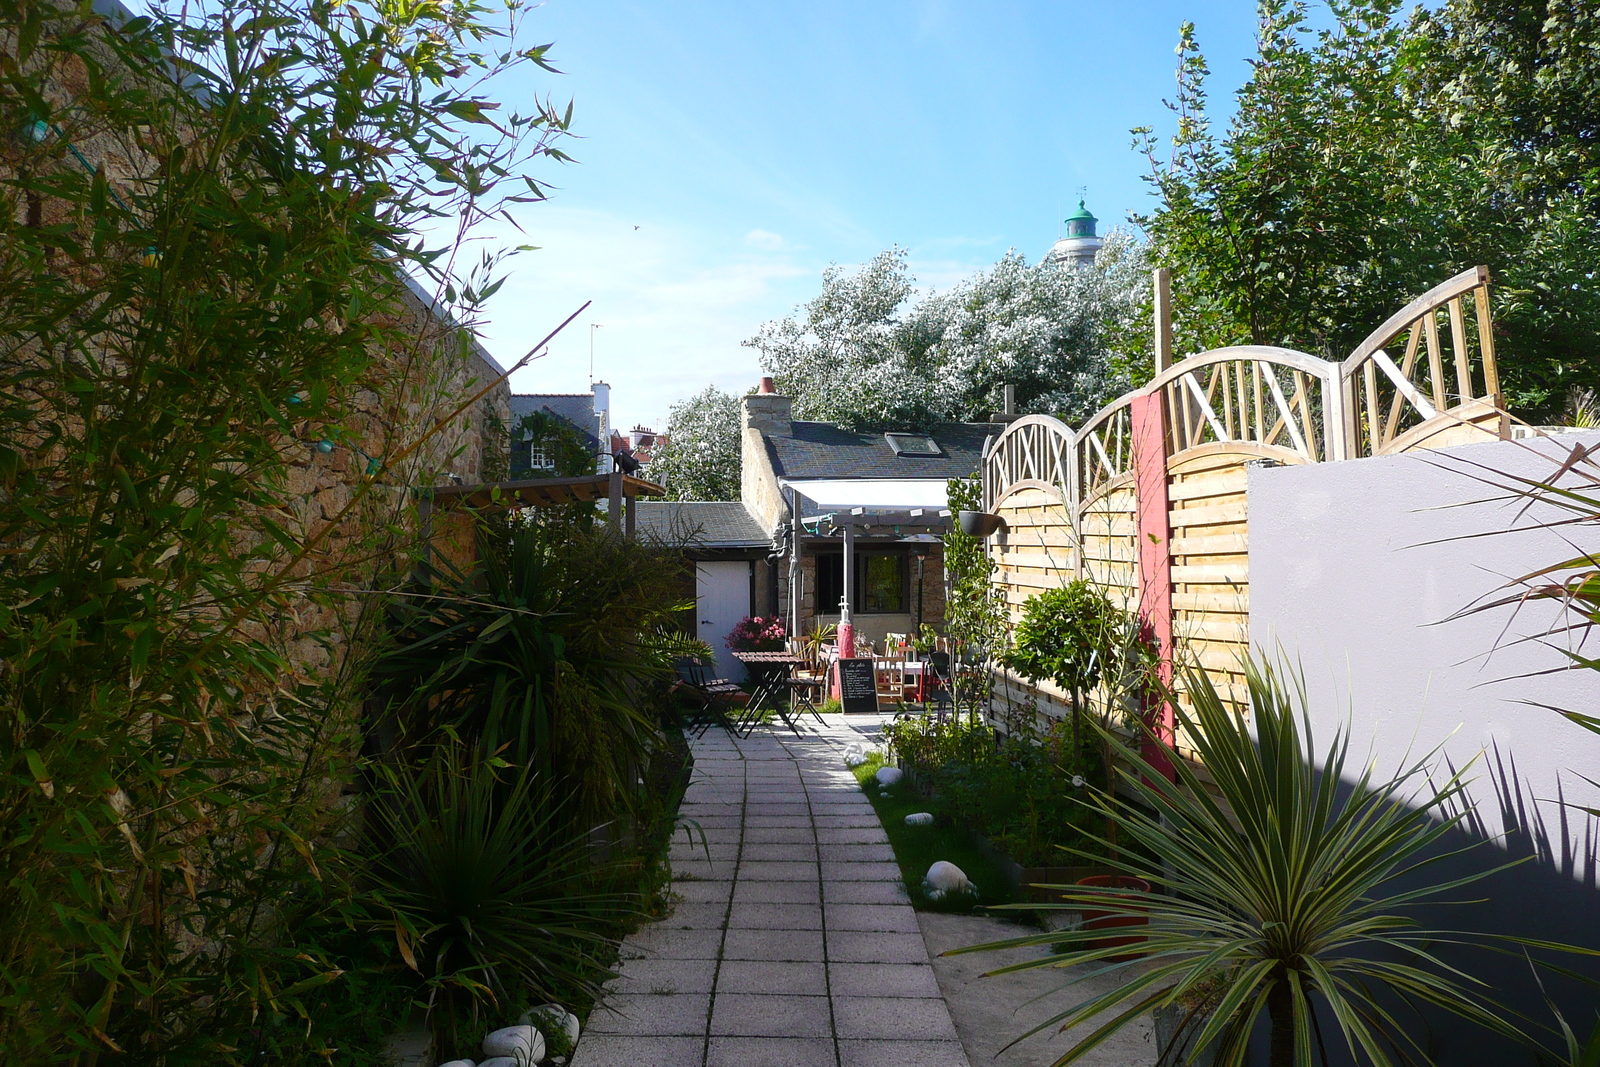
(794,944)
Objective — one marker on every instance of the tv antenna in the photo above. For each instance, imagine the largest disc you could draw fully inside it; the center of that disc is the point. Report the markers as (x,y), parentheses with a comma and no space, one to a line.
(593,326)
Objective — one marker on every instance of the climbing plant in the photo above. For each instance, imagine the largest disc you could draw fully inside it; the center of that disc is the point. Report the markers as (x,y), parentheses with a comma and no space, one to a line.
(974,612)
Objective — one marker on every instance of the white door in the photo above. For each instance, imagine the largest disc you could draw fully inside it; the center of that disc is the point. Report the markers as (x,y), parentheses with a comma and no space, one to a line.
(722,597)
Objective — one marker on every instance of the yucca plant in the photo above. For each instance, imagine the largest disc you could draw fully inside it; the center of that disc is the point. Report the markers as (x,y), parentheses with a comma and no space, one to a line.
(1276,893)
(548,647)
(493,895)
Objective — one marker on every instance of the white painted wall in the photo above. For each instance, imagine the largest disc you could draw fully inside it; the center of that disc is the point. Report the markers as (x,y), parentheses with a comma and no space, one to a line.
(722,598)
(1355,566)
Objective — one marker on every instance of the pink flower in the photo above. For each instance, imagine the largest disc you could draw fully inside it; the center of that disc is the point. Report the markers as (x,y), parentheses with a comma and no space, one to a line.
(757,634)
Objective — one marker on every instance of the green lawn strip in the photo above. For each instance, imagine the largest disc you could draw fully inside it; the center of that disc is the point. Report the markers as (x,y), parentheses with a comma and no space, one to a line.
(916,848)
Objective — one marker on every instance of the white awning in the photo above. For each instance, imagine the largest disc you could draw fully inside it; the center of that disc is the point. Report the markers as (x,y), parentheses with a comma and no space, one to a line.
(828,494)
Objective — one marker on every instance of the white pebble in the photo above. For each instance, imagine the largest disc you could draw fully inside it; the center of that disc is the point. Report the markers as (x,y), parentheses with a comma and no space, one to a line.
(919,818)
(889,775)
(458,1063)
(520,1044)
(551,1017)
(946,877)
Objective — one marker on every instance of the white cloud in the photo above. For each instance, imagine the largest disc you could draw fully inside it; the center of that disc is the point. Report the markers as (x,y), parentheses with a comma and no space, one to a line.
(764,239)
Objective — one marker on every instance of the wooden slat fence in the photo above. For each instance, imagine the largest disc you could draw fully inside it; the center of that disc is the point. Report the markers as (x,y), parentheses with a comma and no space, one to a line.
(1068,496)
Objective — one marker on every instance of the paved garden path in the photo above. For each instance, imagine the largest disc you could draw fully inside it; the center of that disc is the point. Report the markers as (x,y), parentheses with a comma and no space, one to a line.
(794,944)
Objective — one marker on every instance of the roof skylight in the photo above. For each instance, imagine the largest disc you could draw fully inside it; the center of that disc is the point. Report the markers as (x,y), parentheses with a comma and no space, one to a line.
(913,444)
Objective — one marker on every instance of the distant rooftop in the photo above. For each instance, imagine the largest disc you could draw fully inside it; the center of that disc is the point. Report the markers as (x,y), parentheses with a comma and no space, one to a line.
(823,450)
(708,523)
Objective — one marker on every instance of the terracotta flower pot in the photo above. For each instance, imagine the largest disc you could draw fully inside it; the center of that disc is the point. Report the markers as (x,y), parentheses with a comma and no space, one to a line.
(1094,919)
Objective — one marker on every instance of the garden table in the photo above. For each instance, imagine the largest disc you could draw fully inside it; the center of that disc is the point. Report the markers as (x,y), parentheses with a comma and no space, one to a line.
(771,673)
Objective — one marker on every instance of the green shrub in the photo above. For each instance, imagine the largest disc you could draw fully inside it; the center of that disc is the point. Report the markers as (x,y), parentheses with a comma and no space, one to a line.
(493,897)
(1019,792)
(554,649)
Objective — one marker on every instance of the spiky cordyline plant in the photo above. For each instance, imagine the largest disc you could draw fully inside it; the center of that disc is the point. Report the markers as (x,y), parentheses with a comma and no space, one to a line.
(547,646)
(1275,893)
(493,894)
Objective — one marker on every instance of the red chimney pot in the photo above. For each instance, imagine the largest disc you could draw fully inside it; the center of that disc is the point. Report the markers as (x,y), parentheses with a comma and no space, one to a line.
(767,386)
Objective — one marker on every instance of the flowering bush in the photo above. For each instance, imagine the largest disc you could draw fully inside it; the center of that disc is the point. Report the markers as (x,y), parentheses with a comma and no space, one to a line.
(755,634)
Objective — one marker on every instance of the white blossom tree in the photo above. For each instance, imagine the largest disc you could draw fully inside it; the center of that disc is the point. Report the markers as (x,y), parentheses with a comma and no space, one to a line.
(866,353)
(700,460)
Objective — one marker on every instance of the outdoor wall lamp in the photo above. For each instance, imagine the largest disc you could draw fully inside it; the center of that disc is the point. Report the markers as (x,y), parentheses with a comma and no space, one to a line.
(980,523)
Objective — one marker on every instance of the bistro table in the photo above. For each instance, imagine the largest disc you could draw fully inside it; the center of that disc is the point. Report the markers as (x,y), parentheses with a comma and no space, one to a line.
(770,672)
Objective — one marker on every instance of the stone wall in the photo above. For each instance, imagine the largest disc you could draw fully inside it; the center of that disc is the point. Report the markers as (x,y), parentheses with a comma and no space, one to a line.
(404,434)
(353,507)
(763,413)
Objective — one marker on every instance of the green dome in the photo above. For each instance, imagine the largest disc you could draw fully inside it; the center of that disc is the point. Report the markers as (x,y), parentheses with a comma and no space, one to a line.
(1080,223)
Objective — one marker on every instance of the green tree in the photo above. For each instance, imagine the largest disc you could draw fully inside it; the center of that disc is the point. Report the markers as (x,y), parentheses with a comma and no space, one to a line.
(1070,637)
(1516,82)
(566,452)
(866,353)
(700,460)
(1370,160)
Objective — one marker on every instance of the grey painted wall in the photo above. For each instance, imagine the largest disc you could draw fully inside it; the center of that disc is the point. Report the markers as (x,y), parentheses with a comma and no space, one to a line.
(1354,568)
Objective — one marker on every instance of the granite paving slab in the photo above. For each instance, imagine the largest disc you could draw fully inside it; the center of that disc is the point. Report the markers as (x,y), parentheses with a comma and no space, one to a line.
(792,942)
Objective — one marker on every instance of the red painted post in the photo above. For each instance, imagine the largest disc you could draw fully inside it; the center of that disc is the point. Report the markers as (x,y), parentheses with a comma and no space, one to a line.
(1155,560)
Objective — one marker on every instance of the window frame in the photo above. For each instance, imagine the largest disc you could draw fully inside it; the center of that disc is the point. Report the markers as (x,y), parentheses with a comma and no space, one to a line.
(829,577)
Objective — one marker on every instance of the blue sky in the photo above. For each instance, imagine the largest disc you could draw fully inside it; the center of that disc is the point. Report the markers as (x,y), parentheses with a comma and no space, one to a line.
(728,152)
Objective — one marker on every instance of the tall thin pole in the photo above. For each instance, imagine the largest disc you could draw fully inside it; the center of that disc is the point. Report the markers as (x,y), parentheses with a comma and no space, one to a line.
(795,592)
(593,326)
(922,559)
(847,627)
(1163,302)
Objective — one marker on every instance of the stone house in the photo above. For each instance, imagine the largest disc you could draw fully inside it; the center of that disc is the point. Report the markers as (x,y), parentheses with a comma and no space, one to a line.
(802,484)
(589,414)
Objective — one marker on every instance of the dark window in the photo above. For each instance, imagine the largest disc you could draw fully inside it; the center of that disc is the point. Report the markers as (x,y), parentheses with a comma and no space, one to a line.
(881,580)
(830,582)
(881,583)
(912,444)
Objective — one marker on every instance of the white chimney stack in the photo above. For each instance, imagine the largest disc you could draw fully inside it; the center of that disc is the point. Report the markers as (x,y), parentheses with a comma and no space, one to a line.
(602,416)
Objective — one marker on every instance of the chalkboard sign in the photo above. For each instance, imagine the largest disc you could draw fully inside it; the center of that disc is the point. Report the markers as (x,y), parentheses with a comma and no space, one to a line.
(858,685)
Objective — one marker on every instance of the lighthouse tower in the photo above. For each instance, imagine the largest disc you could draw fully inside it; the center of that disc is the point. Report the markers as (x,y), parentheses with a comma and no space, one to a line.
(1078,247)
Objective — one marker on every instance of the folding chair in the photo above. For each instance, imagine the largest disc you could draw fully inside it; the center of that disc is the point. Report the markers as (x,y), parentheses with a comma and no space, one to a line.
(714,696)
(889,671)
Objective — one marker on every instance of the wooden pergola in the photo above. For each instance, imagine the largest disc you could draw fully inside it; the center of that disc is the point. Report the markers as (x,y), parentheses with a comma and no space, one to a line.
(620,490)
(455,539)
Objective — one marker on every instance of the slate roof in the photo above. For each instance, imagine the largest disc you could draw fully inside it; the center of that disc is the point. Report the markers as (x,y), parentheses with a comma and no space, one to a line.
(576,408)
(823,450)
(708,523)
